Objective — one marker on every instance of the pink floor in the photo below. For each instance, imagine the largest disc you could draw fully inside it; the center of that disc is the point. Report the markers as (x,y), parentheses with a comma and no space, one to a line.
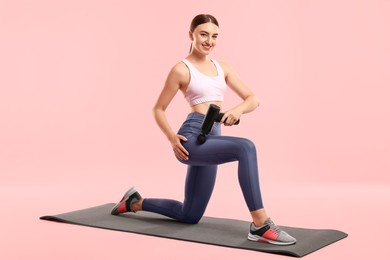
(362,211)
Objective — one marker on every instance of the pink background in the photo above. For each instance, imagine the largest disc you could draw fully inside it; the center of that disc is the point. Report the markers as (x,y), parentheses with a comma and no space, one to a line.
(78,80)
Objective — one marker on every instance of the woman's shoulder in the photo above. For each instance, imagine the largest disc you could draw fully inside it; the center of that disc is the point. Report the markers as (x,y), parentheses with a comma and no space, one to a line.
(180,68)
(225,66)
(180,72)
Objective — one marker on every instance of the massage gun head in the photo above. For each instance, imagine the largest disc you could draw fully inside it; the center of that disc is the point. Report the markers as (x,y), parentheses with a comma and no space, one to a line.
(201,138)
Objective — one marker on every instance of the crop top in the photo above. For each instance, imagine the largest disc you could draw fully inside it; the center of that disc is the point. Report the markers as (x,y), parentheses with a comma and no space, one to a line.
(203,88)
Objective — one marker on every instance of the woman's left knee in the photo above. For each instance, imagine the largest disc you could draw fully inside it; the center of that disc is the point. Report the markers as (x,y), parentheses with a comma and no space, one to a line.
(249,145)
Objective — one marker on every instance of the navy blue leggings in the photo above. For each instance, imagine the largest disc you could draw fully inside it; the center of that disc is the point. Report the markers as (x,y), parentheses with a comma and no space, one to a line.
(202,169)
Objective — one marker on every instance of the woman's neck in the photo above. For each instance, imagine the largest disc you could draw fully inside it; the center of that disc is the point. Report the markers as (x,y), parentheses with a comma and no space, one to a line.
(197,57)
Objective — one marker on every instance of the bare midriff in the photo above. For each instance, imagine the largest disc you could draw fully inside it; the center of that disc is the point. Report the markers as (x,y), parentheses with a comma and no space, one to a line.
(202,108)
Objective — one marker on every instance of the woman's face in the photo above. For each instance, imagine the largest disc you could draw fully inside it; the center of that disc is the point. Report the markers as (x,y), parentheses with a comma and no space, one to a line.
(204,38)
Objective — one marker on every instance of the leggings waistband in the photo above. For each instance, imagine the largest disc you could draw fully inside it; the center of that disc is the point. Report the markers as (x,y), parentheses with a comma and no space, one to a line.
(195,115)
(193,124)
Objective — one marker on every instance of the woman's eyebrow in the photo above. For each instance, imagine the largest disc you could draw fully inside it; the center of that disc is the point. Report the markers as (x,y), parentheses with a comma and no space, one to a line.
(208,33)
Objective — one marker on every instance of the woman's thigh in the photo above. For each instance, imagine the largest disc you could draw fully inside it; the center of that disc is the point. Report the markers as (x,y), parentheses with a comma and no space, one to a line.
(217,150)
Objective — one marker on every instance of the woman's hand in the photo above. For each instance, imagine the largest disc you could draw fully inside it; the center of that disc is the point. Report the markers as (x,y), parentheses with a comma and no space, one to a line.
(231,116)
(178,148)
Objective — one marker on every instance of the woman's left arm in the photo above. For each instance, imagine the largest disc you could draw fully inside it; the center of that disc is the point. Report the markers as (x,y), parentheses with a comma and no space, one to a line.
(250,100)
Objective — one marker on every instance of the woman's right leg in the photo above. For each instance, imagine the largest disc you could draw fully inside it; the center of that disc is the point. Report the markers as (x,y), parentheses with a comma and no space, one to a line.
(199,186)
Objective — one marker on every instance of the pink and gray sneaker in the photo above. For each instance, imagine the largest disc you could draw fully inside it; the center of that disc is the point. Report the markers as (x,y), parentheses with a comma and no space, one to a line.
(130,197)
(270,233)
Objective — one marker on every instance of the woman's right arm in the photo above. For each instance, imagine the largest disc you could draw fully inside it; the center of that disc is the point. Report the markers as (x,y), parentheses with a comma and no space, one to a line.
(172,85)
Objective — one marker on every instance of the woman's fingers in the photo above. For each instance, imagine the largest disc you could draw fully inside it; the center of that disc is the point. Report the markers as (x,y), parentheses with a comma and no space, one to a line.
(181,153)
(181,137)
(179,149)
(229,119)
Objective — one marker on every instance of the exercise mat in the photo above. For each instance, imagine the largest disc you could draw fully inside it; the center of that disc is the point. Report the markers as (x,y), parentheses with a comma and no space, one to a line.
(209,230)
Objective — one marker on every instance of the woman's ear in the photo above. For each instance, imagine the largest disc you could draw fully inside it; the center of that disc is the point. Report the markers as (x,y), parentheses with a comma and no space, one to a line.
(190,34)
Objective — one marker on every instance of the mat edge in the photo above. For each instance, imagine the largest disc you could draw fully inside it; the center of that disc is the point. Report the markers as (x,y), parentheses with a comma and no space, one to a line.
(279,252)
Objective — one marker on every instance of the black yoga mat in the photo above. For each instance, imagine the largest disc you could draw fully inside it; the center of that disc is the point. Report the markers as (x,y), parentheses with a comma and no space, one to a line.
(210,230)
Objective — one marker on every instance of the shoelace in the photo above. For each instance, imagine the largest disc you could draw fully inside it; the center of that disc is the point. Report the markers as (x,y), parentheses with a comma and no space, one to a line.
(273,226)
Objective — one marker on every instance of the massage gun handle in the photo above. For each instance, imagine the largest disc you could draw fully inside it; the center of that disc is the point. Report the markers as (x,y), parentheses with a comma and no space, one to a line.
(219,117)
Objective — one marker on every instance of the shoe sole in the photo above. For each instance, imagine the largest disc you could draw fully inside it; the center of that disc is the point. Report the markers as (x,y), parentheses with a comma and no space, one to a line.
(252,237)
(128,193)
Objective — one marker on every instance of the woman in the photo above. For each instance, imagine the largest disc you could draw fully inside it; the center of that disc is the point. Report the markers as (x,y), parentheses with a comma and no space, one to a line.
(203,81)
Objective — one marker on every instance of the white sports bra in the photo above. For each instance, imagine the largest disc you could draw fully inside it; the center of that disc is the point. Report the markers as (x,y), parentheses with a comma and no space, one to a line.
(203,88)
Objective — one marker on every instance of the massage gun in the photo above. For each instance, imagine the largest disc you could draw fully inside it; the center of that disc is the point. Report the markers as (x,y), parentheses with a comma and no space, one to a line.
(212,116)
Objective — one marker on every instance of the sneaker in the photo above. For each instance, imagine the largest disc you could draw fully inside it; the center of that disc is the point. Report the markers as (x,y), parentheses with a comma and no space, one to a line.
(270,233)
(130,197)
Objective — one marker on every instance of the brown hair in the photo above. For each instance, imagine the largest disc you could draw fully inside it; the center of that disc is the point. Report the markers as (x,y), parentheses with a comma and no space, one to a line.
(200,19)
